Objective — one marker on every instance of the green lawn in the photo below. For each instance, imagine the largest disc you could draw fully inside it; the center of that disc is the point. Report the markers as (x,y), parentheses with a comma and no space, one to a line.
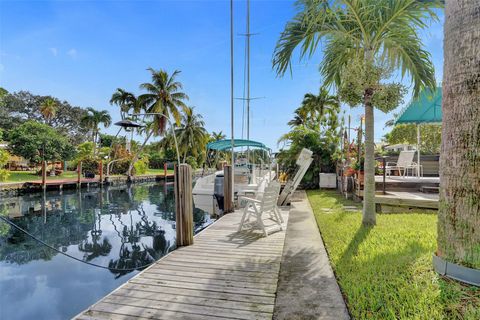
(158,171)
(385,272)
(24,176)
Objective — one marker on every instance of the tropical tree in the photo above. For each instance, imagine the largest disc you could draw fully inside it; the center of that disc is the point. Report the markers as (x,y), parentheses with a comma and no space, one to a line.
(38,142)
(363,41)
(192,135)
(48,108)
(126,101)
(163,96)
(216,136)
(459,210)
(316,105)
(299,119)
(92,120)
(407,133)
(163,99)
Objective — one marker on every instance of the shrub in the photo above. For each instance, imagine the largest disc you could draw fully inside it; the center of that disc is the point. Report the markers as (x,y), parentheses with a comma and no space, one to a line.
(120,167)
(156,161)
(192,161)
(89,166)
(141,166)
(4,174)
(4,156)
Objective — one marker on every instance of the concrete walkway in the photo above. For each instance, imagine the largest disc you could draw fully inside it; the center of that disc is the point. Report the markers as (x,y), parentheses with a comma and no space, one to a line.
(307,288)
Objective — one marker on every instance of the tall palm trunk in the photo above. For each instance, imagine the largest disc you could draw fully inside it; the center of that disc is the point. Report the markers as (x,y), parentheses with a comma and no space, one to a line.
(369,178)
(459,213)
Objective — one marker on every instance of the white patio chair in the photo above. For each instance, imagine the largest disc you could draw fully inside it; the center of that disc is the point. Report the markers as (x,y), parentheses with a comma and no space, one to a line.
(405,160)
(256,208)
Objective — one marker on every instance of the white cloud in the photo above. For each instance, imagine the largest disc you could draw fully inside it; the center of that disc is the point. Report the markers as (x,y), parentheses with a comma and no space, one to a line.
(72,53)
(54,51)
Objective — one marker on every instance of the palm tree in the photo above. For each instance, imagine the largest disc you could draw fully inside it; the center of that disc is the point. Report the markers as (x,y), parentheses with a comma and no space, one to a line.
(164,96)
(299,119)
(216,136)
(92,120)
(48,109)
(317,105)
(459,210)
(127,102)
(362,34)
(192,135)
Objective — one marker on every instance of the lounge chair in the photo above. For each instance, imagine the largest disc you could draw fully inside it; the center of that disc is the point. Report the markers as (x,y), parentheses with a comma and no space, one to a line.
(405,160)
(257,208)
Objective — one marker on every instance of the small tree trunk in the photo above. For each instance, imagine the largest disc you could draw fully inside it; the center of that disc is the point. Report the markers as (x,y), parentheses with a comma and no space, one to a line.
(369,216)
(94,143)
(459,210)
(135,158)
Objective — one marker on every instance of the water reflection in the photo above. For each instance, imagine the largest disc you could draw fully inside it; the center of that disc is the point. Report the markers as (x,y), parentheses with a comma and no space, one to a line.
(117,227)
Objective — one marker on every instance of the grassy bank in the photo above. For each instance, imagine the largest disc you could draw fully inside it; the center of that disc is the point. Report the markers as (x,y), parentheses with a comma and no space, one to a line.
(385,272)
(25,176)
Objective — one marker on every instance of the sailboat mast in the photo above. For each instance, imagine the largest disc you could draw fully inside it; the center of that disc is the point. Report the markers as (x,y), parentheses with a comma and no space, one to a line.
(232,98)
(248,69)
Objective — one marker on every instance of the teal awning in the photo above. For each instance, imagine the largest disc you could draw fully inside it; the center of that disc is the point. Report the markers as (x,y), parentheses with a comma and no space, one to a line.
(426,108)
(227,144)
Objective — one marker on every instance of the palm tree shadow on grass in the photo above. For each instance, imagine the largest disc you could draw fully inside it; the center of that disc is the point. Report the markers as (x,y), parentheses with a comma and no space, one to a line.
(352,249)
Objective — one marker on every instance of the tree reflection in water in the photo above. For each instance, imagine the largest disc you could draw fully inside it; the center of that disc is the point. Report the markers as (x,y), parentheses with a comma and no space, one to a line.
(130,226)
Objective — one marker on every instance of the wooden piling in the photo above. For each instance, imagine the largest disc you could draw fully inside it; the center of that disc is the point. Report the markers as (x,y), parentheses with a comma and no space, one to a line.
(165,170)
(227,189)
(79,173)
(184,204)
(44,174)
(100,171)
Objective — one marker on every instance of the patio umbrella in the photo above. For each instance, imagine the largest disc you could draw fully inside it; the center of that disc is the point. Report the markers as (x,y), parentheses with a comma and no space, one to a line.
(426,108)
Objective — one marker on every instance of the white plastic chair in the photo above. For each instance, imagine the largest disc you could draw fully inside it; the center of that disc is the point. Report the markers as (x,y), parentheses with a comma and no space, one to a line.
(405,160)
(256,208)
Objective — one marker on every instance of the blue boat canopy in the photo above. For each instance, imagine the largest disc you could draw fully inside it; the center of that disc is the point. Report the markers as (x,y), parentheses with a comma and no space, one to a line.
(221,145)
(426,108)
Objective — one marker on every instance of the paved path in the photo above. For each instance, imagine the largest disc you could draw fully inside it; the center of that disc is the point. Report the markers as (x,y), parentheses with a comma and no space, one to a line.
(307,287)
(225,274)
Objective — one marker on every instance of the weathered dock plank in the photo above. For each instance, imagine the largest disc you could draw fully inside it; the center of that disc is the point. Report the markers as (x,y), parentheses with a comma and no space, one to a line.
(225,274)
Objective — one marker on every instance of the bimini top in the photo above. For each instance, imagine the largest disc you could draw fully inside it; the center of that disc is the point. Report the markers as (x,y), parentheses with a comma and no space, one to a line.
(227,144)
(426,108)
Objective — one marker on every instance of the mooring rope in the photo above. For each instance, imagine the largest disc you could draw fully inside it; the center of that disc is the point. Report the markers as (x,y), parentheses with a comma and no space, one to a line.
(66,254)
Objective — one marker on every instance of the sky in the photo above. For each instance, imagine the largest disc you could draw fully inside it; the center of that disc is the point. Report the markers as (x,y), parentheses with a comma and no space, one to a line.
(81,51)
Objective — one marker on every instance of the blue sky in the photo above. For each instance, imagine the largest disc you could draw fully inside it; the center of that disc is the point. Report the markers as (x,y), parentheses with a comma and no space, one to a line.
(81,51)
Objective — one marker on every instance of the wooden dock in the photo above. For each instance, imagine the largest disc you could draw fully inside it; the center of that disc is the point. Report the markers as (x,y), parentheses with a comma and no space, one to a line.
(225,274)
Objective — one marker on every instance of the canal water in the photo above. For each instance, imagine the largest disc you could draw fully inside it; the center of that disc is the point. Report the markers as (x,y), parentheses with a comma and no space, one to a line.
(118,227)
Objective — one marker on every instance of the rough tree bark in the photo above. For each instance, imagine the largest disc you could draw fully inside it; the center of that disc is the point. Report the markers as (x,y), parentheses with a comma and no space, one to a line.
(369,216)
(459,212)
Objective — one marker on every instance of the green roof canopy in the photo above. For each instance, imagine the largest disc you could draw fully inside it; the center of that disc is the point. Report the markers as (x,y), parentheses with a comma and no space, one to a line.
(426,108)
(227,144)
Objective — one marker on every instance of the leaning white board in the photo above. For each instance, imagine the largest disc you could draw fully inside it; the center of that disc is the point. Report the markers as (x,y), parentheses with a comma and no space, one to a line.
(303,161)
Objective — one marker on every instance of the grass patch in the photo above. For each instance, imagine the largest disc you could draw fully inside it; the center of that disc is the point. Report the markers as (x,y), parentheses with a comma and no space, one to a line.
(158,171)
(385,272)
(25,176)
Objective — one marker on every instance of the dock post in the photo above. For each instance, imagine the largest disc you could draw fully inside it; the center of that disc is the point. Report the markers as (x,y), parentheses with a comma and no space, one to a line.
(44,175)
(227,189)
(183,204)
(79,174)
(165,170)
(100,171)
